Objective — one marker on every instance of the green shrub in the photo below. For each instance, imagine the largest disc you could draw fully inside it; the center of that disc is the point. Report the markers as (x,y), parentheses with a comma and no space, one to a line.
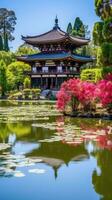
(27,82)
(107,70)
(26,94)
(27,90)
(104,55)
(92,75)
(36,90)
(15,96)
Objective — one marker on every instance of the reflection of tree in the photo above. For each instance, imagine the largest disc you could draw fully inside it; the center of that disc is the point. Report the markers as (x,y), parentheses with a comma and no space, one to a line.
(103,182)
(4,133)
(19,129)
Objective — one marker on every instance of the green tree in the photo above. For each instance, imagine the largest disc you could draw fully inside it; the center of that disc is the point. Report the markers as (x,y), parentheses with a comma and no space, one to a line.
(27,82)
(6,45)
(69,28)
(16,74)
(107,30)
(26,49)
(98,33)
(77,24)
(104,55)
(1,43)
(7,57)
(7,24)
(79,29)
(3,80)
(103,8)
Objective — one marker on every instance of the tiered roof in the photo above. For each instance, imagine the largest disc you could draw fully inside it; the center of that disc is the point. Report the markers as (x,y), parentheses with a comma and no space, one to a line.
(56,35)
(55,56)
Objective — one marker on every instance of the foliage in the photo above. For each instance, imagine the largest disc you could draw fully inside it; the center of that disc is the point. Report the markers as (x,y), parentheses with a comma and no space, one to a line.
(27,82)
(3,81)
(99,57)
(92,75)
(103,8)
(78,29)
(16,96)
(16,75)
(97,33)
(104,55)
(104,93)
(26,94)
(7,25)
(107,71)
(1,43)
(107,30)
(6,45)
(76,92)
(69,28)
(25,50)
(102,33)
(7,57)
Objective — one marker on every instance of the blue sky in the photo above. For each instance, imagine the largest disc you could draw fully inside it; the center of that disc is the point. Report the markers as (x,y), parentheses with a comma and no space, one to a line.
(37,16)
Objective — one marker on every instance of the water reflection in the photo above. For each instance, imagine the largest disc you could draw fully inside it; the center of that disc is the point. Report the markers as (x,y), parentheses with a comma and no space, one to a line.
(54,141)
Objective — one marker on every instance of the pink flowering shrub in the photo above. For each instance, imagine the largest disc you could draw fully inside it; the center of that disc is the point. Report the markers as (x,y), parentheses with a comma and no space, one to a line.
(75,92)
(104,88)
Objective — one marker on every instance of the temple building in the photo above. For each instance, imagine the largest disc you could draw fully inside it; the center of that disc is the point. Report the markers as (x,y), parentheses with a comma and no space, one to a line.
(56,60)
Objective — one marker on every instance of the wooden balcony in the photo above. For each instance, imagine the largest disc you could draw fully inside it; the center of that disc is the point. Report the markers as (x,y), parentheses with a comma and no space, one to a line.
(69,72)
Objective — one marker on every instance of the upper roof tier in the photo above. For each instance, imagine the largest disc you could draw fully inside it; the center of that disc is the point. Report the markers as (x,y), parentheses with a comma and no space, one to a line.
(56,35)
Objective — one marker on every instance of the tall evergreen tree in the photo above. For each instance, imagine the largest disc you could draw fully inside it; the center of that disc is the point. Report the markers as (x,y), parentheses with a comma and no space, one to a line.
(3,80)
(69,28)
(6,45)
(79,29)
(77,24)
(7,25)
(1,43)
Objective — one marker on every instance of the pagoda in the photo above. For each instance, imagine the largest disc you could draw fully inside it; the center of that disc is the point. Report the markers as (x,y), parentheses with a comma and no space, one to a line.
(56,60)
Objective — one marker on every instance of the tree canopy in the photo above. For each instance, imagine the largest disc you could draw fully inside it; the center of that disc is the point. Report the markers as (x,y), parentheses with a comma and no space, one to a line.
(69,28)
(7,26)
(16,75)
(78,29)
(3,80)
(98,33)
(26,49)
(103,8)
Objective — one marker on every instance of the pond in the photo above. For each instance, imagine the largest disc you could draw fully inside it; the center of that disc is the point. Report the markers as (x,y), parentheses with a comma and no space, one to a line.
(44,155)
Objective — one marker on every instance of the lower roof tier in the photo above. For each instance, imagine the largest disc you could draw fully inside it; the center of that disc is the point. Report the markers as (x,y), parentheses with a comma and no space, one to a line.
(55,57)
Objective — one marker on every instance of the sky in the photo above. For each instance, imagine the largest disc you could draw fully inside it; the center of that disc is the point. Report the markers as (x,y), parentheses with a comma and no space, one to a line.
(37,16)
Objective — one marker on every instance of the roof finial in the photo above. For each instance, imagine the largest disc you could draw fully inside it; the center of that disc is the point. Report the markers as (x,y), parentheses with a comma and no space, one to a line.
(56,23)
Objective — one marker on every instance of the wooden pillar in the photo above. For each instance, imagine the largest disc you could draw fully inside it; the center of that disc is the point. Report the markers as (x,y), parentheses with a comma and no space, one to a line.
(51,83)
(46,82)
(41,82)
(56,83)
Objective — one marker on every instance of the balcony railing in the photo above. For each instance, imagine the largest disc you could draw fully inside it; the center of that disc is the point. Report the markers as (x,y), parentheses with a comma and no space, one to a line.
(51,72)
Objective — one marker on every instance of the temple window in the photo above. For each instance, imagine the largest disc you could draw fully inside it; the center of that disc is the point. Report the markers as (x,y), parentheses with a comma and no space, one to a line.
(59,68)
(34,69)
(45,69)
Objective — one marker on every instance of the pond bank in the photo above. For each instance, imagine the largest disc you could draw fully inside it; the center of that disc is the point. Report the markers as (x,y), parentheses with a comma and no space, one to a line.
(105,116)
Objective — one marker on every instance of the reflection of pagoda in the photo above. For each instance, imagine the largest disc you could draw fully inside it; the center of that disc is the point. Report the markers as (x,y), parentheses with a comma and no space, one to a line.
(56,154)
(56,61)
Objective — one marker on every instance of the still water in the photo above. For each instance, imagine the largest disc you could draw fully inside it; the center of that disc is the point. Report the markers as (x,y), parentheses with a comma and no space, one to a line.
(45,156)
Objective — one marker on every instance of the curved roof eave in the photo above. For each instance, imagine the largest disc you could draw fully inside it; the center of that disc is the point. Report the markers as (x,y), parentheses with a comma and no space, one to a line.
(41,57)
